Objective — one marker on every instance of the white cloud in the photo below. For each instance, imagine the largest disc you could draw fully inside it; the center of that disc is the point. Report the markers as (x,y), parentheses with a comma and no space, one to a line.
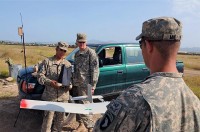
(186,7)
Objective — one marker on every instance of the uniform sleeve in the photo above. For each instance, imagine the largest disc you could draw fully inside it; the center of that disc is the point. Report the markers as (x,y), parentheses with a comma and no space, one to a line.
(94,69)
(41,77)
(129,112)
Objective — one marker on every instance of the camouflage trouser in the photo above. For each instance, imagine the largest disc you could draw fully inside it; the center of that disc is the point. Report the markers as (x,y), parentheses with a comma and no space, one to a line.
(81,118)
(52,121)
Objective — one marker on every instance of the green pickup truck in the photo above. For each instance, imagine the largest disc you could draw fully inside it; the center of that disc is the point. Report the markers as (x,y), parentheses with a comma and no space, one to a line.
(121,65)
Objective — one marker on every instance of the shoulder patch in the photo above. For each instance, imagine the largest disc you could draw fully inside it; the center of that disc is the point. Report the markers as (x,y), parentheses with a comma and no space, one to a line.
(111,114)
(106,120)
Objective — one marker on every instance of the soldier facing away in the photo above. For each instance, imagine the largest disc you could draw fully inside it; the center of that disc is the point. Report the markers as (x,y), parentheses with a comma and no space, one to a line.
(49,75)
(162,102)
(86,72)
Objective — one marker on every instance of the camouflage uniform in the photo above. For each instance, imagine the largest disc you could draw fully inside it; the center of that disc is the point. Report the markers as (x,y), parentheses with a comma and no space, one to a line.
(86,71)
(86,68)
(163,102)
(51,71)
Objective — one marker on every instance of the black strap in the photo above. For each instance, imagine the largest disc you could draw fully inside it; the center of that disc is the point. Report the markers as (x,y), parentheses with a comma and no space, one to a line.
(61,74)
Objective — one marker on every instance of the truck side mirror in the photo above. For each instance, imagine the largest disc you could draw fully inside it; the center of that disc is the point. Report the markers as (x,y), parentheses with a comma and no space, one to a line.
(100,62)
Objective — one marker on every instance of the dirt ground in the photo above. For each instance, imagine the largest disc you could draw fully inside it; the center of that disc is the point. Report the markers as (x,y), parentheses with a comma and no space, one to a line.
(31,120)
(28,120)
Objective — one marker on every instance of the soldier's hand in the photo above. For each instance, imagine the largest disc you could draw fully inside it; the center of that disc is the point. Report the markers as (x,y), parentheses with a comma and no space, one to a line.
(54,84)
(92,90)
(35,68)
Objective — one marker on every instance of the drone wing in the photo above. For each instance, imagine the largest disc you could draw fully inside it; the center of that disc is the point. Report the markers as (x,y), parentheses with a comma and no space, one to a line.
(92,108)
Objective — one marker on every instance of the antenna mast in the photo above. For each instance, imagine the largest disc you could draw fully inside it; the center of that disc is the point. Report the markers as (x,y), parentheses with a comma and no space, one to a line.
(21,34)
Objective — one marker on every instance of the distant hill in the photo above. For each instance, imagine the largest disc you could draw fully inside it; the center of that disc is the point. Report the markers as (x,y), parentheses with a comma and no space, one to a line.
(193,49)
(185,49)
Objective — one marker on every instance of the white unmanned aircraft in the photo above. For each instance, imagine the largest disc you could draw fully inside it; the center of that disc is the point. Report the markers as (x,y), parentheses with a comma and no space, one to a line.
(91,108)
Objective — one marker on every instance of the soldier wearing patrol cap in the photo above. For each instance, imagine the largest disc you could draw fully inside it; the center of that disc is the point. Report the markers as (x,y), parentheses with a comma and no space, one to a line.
(48,75)
(86,72)
(162,102)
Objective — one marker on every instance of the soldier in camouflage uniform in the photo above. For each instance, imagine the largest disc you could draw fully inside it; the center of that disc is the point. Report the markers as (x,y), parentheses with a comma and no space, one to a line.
(48,75)
(86,71)
(162,102)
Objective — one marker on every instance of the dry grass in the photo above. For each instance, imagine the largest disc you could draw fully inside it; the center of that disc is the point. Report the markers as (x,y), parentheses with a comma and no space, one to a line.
(190,61)
(194,84)
(34,54)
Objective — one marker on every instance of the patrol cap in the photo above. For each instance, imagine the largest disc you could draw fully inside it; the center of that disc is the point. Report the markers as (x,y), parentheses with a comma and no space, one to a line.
(161,28)
(63,45)
(81,37)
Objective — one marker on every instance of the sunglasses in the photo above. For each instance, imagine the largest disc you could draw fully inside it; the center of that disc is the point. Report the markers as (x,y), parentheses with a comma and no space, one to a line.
(140,42)
(81,42)
(62,50)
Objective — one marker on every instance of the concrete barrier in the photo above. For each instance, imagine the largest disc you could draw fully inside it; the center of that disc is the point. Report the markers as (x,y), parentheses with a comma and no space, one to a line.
(13,70)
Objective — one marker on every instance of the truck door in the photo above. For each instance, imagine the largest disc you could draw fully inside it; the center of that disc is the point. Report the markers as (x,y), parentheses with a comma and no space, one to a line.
(112,72)
(136,68)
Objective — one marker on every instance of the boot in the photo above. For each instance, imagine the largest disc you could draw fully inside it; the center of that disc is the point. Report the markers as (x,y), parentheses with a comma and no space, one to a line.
(90,129)
(80,128)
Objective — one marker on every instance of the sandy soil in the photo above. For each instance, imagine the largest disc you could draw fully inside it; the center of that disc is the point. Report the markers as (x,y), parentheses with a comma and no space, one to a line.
(30,120)
(9,109)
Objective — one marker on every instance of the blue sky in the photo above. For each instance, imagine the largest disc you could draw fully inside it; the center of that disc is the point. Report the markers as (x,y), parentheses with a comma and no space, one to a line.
(102,20)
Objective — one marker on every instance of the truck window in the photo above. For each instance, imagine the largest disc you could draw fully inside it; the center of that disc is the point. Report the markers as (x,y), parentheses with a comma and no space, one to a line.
(110,56)
(134,55)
